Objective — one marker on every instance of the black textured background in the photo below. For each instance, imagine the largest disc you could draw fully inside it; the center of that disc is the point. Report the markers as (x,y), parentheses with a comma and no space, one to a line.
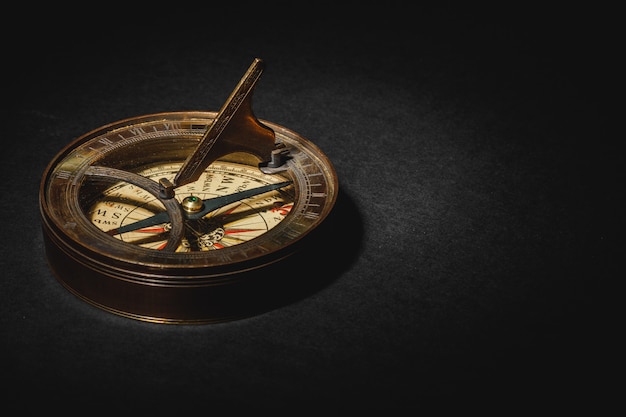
(472,233)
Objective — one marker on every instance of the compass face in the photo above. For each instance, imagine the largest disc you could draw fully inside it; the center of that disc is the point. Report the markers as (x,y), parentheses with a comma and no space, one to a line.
(124,204)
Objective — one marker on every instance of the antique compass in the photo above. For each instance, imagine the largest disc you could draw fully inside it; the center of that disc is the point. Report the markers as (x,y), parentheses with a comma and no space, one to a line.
(184,217)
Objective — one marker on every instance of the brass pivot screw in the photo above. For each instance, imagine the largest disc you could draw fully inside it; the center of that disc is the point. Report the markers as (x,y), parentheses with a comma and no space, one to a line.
(192,204)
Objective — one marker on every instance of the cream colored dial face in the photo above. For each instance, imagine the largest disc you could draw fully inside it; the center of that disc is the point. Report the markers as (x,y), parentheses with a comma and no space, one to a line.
(235,223)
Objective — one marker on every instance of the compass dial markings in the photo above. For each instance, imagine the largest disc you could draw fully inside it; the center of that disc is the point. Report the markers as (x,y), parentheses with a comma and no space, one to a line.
(263,207)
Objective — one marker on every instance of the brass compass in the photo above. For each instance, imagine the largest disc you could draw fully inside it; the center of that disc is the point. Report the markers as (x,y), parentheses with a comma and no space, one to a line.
(183,217)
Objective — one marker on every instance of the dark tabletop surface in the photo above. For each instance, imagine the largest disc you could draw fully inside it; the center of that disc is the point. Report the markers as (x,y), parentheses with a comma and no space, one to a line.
(473,228)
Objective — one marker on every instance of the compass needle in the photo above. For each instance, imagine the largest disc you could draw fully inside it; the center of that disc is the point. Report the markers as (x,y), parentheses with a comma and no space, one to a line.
(158,218)
(177,217)
(207,205)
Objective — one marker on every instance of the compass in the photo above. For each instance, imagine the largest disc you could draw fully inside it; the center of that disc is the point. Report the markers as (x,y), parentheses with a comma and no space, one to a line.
(186,216)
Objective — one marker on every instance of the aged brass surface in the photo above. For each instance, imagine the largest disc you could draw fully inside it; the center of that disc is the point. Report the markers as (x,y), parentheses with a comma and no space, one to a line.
(184,217)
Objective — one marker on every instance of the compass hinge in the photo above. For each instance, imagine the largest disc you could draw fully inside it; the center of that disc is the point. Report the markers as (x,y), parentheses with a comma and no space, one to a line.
(166,188)
(277,162)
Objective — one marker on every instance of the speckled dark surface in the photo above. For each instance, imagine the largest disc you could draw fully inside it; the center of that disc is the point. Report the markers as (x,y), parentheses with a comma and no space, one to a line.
(471,234)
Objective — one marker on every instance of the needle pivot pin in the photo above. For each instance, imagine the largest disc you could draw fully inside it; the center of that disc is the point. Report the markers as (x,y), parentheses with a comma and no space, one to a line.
(192,204)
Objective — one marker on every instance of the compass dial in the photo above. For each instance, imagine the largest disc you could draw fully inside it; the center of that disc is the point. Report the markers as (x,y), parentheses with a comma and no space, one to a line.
(124,204)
